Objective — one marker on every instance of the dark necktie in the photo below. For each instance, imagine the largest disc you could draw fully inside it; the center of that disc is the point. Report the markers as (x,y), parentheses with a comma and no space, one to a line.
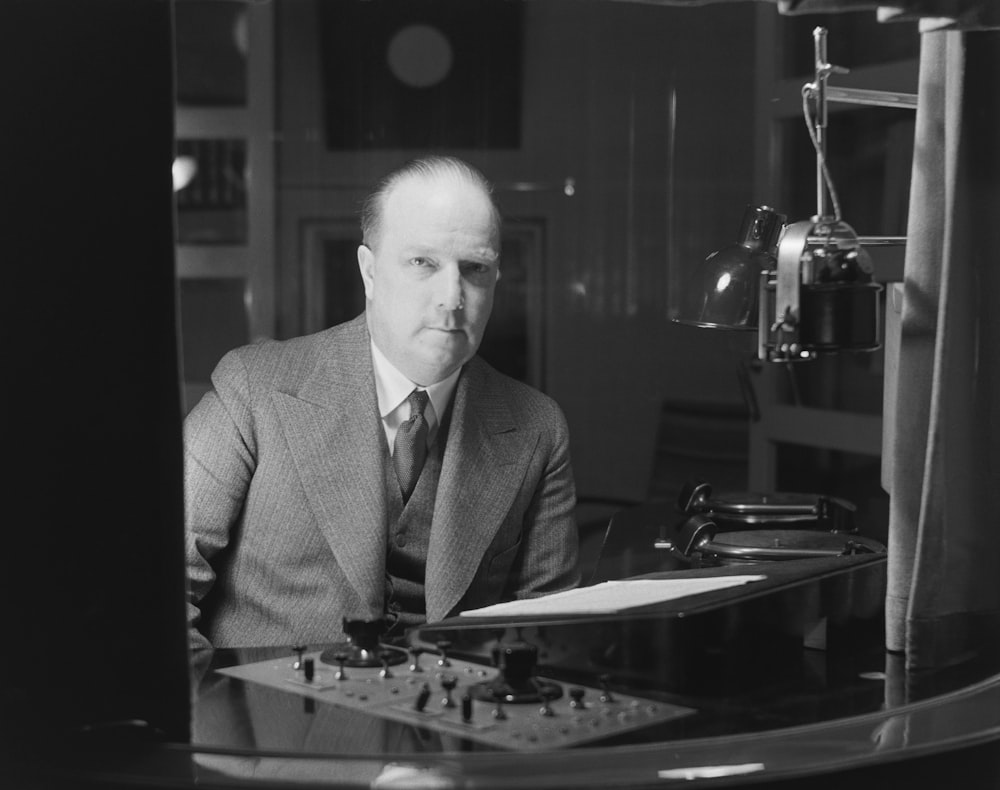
(410,448)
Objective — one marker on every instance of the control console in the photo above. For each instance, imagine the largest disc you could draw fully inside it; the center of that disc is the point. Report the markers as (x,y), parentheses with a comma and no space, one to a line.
(507,706)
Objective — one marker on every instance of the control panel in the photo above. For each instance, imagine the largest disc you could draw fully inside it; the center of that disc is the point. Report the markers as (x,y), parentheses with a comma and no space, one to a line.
(503,707)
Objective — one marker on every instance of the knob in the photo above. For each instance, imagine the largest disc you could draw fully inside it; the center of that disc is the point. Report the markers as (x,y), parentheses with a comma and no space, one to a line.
(448,683)
(443,646)
(416,652)
(517,662)
(516,679)
(606,695)
(576,695)
(340,658)
(547,697)
(498,712)
(364,633)
(422,697)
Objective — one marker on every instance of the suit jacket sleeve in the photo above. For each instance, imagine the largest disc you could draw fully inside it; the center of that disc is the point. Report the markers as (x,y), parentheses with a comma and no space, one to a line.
(219,461)
(547,559)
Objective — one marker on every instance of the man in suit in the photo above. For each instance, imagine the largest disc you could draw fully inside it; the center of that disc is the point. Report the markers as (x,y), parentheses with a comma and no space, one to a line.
(317,488)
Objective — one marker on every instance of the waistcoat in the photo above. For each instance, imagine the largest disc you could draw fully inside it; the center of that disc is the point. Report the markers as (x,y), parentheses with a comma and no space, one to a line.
(409,531)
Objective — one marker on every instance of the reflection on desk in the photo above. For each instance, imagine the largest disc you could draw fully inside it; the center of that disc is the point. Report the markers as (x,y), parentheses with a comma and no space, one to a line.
(794,712)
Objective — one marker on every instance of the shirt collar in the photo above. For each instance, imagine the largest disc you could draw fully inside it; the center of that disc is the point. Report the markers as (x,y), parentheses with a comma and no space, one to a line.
(392,387)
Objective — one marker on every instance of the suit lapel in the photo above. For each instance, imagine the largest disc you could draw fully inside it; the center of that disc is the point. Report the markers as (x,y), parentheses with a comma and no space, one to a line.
(334,435)
(484,464)
(335,438)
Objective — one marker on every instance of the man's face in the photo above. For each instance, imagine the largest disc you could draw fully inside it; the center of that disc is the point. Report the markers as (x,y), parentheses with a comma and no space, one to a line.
(429,279)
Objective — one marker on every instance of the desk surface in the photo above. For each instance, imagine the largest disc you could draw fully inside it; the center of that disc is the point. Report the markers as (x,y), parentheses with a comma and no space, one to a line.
(811,713)
(782,684)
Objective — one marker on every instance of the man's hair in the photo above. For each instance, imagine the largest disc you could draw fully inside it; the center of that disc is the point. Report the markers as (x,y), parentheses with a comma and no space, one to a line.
(427,167)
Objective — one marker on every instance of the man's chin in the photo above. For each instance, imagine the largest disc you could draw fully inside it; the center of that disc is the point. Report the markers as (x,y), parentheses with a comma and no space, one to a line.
(442,365)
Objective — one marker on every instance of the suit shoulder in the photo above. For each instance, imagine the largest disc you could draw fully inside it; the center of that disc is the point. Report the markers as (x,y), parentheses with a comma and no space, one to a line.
(520,398)
(284,361)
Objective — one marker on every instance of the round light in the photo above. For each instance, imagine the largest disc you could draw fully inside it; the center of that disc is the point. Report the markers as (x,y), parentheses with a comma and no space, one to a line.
(420,56)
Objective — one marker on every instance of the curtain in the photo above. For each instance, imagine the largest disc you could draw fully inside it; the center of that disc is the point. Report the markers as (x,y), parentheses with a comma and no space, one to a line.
(943,602)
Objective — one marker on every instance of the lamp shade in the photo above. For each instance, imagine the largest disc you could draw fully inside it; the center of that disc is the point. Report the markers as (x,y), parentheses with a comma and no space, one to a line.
(730,277)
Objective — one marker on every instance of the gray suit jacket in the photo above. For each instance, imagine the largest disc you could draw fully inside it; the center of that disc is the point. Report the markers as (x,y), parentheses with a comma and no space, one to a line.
(285,500)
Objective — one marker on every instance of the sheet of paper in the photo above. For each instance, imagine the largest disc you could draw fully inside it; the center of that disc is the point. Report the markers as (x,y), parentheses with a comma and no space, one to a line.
(611,597)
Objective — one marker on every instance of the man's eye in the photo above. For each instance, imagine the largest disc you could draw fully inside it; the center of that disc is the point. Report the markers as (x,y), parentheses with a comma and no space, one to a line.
(421,262)
(476,269)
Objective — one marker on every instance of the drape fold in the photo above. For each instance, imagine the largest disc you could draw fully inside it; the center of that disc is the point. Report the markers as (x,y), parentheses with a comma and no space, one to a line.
(943,601)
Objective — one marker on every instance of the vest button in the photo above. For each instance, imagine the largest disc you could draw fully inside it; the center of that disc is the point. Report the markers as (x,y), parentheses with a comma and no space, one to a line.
(401,540)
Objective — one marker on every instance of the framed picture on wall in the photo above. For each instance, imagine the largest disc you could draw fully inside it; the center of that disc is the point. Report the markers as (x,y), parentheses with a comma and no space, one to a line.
(428,75)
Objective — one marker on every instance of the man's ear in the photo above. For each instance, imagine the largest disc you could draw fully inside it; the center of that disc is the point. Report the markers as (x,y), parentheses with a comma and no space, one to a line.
(366,265)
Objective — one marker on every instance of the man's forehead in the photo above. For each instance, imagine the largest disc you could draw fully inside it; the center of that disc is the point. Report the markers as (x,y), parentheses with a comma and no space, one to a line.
(449,202)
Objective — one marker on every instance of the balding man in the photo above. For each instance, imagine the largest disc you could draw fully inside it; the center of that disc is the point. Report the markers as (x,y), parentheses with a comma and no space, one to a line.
(380,468)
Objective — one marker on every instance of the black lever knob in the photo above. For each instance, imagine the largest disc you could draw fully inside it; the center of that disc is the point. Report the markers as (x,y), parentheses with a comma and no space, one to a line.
(340,658)
(498,712)
(516,680)
(416,652)
(422,697)
(517,662)
(547,696)
(362,647)
(364,633)
(606,695)
(448,683)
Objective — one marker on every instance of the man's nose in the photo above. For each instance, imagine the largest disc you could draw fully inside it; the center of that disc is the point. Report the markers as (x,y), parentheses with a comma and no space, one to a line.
(450,289)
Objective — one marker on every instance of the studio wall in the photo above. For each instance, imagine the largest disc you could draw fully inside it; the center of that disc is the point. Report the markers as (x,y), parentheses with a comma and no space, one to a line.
(640,107)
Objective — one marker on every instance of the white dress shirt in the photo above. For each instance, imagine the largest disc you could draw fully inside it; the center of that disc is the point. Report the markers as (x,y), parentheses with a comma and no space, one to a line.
(393,388)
